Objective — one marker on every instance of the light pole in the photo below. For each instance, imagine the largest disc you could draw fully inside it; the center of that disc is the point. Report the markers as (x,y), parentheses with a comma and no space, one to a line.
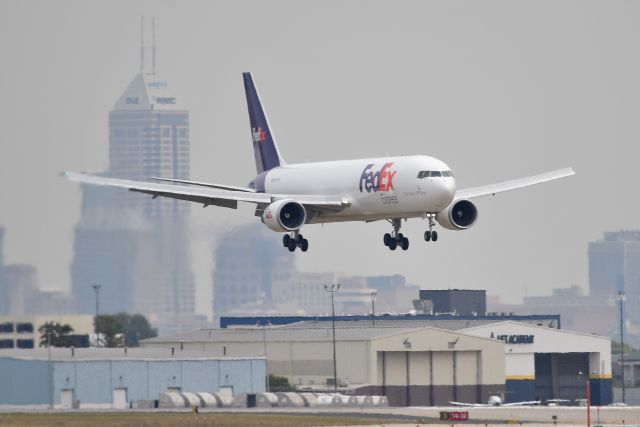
(373,308)
(96,289)
(621,299)
(264,343)
(49,369)
(332,290)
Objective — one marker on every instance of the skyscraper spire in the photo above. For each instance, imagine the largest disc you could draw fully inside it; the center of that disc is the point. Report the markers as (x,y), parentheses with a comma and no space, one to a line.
(142,45)
(153,46)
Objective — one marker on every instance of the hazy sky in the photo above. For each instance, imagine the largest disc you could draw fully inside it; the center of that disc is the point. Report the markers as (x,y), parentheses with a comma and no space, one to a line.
(498,90)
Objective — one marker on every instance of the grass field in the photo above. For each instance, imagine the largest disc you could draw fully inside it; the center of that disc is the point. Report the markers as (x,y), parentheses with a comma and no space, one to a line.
(167,419)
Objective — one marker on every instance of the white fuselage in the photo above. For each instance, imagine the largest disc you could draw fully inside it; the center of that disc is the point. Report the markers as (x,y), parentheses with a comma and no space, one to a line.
(376,188)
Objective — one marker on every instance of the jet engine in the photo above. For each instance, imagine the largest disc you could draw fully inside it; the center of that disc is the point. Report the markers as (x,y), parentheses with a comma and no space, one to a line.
(284,215)
(458,215)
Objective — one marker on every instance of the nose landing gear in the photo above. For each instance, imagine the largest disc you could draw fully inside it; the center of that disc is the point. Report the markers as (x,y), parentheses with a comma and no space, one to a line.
(296,240)
(395,239)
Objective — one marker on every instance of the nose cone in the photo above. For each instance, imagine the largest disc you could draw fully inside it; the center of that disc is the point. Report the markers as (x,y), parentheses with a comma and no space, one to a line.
(445,191)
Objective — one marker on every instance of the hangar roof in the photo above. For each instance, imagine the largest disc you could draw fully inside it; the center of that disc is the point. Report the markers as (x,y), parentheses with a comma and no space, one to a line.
(535,327)
(93,353)
(446,324)
(296,332)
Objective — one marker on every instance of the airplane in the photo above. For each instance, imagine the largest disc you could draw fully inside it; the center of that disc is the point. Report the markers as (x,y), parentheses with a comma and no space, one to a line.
(497,401)
(290,196)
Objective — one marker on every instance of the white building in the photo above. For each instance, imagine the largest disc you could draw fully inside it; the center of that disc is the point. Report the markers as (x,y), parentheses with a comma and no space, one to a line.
(548,363)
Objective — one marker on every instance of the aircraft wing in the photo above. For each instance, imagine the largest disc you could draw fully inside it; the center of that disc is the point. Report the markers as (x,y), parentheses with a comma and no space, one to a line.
(529,403)
(469,405)
(492,189)
(205,184)
(207,195)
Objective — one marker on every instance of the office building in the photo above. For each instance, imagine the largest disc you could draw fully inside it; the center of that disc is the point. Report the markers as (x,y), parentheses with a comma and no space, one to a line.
(614,263)
(134,247)
(248,259)
(456,301)
(614,266)
(22,331)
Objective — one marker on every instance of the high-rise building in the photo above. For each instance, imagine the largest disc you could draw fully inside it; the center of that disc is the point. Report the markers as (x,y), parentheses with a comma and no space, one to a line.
(614,265)
(1,248)
(134,246)
(20,282)
(247,261)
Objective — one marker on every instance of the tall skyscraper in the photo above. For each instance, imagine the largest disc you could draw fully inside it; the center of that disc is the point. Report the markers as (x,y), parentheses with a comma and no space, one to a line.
(134,246)
(247,261)
(614,265)
(1,248)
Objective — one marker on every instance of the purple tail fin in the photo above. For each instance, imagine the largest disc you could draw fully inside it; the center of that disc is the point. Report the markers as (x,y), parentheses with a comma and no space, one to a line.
(264,143)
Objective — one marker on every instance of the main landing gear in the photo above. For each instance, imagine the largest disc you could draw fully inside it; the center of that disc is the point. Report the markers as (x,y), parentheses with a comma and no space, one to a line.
(395,239)
(431,234)
(295,241)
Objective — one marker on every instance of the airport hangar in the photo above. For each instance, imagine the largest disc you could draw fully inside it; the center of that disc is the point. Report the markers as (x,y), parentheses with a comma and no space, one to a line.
(104,378)
(546,363)
(412,366)
(414,363)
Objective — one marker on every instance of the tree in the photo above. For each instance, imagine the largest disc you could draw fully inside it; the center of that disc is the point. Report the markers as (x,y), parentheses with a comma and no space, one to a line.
(135,328)
(55,334)
(280,384)
(110,330)
(122,329)
(615,348)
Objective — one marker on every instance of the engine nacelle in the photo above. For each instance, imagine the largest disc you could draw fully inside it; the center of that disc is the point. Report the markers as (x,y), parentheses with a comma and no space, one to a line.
(458,215)
(284,215)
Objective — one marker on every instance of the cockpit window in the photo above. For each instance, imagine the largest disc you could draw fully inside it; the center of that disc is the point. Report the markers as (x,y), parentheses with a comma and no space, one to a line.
(427,174)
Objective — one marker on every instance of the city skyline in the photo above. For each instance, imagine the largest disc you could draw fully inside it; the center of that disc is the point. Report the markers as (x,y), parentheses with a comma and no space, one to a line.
(429,79)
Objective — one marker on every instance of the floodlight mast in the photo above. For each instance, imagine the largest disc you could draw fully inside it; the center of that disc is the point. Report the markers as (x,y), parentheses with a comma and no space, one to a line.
(332,290)
(373,308)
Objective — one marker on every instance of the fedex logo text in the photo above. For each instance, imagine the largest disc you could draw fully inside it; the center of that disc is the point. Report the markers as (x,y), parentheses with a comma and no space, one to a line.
(259,134)
(381,180)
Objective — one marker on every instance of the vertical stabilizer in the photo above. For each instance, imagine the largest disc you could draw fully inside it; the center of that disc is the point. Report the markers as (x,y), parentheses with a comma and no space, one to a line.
(264,143)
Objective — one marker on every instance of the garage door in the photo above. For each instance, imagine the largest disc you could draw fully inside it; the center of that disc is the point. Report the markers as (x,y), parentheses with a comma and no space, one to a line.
(120,398)
(561,375)
(66,398)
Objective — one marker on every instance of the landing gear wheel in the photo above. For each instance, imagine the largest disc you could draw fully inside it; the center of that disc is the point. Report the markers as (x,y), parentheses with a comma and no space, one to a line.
(304,245)
(400,237)
(285,240)
(434,235)
(292,245)
(387,239)
(393,245)
(404,243)
(427,235)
